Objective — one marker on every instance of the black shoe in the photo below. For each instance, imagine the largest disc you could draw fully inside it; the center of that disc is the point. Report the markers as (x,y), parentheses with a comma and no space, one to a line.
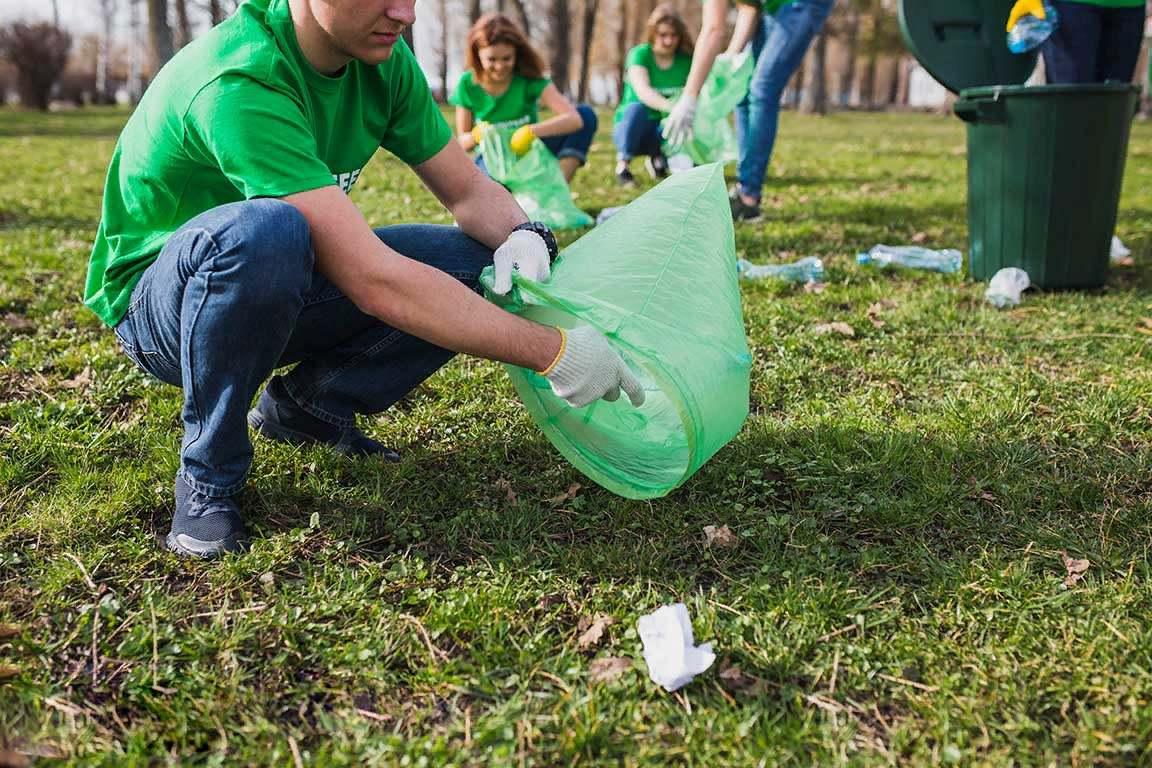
(624,176)
(205,526)
(278,417)
(657,165)
(741,211)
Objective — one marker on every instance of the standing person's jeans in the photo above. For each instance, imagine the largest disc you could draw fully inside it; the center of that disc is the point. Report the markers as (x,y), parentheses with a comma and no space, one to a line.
(234,294)
(637,133)
(575,144)
(778,46)
(1093,44)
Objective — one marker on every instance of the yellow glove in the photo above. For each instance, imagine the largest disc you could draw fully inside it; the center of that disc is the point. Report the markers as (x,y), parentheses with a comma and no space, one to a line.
(521,141)
(478,131)
(1025,8)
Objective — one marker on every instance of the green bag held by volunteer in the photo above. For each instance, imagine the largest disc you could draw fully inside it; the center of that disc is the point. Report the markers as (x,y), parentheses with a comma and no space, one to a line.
(659,280)
(535,180)
(713,137)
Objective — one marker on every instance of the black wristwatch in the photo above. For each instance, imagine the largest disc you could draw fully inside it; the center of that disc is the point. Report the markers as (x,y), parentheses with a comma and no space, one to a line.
(546,235)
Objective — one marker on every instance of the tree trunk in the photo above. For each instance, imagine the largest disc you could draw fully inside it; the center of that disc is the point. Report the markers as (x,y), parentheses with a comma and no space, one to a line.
(851,49)
(797,84)
(135,53)
(104,52)
(474,11)
(522,16)
(410,38)
(215,12)
(621,46)
(444,43)
(815,97)
(183,28)
(561,44)
(590,8)
(159,33)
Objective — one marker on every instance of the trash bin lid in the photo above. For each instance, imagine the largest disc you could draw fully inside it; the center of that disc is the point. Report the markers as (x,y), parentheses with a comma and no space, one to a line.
(962,43)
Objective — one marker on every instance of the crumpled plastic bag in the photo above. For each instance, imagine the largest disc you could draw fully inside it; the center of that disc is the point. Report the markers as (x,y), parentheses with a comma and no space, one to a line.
(670,651)
(1005,287)
(534,179)
(713,137)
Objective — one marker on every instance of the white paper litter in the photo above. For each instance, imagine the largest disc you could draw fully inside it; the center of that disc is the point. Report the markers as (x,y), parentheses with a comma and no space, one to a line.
(670,652)
(1119,250)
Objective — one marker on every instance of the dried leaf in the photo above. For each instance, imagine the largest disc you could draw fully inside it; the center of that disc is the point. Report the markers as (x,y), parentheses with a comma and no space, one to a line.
(592,631)
(17,322)
(738,681)
(1123,261)
(505,485)
(8,631)
(1074,568)
(81,380)
(720,537)
(607,669)
(919,237)
(568,495)
(1146,322)
(10,759)
(8,671)
(842,328)
(814,287)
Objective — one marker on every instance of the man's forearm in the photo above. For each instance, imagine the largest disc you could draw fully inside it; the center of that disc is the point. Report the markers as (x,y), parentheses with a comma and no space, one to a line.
(489,213)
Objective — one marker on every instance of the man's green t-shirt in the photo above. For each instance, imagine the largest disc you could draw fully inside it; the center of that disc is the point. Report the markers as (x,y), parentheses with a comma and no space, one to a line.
(519,105)
(768,6)
(667,82)
(238,114)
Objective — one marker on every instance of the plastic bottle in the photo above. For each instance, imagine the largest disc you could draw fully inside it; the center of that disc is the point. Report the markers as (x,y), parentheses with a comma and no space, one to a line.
(1030,32)
(913,256)
(807,270)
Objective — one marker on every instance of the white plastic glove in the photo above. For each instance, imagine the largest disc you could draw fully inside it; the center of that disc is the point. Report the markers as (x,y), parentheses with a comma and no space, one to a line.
(523,252)
(678,127)
(588,369)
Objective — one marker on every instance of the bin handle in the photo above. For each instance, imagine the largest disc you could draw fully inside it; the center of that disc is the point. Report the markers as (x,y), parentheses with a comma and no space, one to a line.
(980,110)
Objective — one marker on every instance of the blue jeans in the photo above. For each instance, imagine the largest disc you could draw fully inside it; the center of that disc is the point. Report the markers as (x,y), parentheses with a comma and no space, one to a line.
(778,47)
(1093,44)
(574,144)
(234,294)
(637,133)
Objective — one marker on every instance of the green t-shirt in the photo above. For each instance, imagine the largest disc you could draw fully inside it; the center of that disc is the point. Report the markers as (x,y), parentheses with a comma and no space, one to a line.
(238,114)
(768,6)
(519,105)
(667,82)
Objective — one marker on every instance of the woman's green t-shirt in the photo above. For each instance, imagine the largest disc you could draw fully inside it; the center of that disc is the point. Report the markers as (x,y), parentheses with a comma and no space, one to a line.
(667,82)
(519,105)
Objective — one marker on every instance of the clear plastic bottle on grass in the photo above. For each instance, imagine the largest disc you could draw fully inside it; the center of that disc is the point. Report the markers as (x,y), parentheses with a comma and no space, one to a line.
(913,257)
(807,270)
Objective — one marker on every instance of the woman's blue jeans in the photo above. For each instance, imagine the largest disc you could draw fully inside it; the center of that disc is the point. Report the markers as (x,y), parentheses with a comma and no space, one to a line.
(234,294)
(778,47)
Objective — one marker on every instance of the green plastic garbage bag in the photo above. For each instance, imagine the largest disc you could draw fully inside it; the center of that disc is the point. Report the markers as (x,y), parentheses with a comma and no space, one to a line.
(659,280)
(713,137)
(535,180)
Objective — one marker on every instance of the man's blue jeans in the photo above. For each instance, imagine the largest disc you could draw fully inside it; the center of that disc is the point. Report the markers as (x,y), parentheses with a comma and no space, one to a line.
(234,294)
(1093,44)
(778,47)
(637,133)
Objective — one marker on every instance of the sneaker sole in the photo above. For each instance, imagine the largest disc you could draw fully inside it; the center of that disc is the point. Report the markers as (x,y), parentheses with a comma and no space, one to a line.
(280,434)
(183,544)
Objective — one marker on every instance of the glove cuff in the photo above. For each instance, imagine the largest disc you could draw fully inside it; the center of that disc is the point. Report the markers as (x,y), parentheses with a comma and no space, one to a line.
(541,229)
(559,354)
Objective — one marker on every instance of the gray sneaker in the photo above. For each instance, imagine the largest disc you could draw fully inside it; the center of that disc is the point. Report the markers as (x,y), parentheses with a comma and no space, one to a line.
(205,526)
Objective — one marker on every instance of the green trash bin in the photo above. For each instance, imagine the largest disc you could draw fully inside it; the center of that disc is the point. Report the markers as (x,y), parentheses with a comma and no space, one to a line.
(1045,163)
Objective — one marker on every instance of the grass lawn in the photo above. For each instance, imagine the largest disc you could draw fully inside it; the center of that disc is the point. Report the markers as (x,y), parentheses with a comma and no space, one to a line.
(901,500)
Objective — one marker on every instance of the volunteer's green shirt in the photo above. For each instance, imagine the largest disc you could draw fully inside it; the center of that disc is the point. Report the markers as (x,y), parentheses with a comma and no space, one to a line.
(519,105)
(238,114)
(768,6)
(1112,3)
(667,82)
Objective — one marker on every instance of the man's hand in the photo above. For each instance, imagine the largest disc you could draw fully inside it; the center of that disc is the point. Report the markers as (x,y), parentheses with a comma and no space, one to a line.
(678,128)
(523,252)
(587,369)
(1025,8)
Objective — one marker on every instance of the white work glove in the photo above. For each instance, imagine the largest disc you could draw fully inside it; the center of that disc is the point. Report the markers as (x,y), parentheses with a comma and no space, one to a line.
(523,252)
(678,127)
(588,369)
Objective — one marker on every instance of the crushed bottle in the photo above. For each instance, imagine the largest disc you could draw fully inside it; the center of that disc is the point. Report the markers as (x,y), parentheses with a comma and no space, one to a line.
(913,257)
(807,270)
(1030,32)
